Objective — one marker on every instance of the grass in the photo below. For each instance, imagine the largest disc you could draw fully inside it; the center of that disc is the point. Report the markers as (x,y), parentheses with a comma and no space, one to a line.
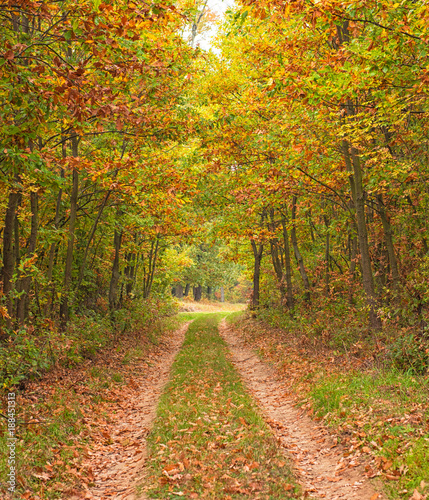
(50,435)
(378,412)
(393,429)
(209,440)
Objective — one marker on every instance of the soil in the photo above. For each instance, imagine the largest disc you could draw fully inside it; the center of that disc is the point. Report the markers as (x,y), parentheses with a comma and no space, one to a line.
(117,463)
(319,462)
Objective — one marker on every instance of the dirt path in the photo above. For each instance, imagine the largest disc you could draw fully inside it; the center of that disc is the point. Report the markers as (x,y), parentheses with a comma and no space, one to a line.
(117,463)
(319,463)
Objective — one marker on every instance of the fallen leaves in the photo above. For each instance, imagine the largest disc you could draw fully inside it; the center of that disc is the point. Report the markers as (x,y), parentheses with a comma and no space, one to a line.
(92,419)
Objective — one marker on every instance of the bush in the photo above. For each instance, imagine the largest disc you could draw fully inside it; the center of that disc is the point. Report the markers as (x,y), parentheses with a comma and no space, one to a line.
(30,351)
(410,353)
(25,356)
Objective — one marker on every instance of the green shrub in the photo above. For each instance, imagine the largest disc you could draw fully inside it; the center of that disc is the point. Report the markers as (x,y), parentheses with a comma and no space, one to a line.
(410,353)
(30,351)
(25,356)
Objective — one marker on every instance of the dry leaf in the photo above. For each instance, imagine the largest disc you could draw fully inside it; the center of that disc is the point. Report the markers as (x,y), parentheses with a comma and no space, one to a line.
(392,477)
(171,467)
(387,465)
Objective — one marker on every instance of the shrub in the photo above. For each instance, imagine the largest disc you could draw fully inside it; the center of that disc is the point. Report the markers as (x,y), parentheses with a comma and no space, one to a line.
(410,353)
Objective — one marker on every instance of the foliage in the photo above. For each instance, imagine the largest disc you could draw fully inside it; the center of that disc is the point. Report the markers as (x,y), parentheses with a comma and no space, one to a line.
(92,116)
(313,130)
(410,353)
(61,416)
(29,353)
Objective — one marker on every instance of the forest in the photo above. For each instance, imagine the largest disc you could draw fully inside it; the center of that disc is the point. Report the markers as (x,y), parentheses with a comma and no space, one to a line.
(145,178)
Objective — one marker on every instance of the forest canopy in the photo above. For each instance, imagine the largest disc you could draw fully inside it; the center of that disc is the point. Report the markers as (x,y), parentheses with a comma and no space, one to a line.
(134,165)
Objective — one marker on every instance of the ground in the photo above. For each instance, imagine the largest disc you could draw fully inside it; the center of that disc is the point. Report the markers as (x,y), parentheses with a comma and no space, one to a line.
(316,458)
(202,410)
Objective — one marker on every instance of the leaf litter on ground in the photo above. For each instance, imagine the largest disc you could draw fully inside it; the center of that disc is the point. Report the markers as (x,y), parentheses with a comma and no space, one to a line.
(72,415)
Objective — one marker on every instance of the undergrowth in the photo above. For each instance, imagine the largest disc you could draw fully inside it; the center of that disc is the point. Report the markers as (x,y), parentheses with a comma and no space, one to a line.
(34,349)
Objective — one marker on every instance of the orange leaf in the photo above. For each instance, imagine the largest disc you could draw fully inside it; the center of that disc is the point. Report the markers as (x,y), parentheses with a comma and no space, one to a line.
(417,496)
(392,477)
(171,467)
(387,465)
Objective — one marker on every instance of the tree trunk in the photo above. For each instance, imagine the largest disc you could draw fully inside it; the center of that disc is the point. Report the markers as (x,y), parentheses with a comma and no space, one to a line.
(91,236)
(64,306)
(8,253)
(257,253)
(179,291)
(288,268)
(352,270)
(114,280)
(16,246)
(209,292)
(222,294)
(388,238)
(278,268)
(54,247)
(327,257)
(130,271)
(354,167)
(187,287)
(150,273)
(197,293)
(298,256)
(24,299)
(277,261)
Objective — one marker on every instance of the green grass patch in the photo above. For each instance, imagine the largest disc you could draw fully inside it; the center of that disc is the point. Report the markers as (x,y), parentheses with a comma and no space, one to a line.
(190,316)
(209,439)
(376,410)
(235,317)
(385,413)
(51,438)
